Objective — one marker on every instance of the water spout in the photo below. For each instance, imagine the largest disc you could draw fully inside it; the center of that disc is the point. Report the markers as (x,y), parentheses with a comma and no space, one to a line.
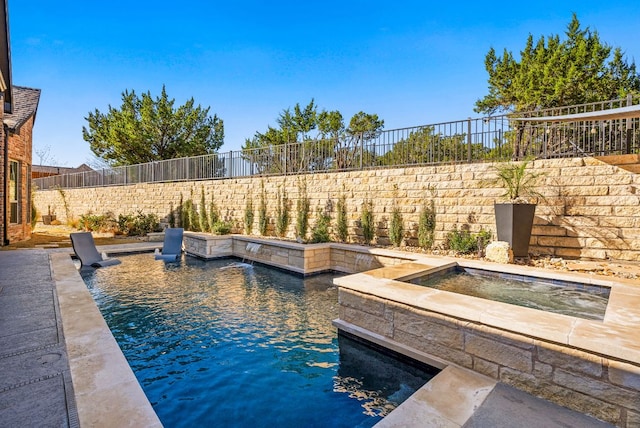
(253,248)
(363,262)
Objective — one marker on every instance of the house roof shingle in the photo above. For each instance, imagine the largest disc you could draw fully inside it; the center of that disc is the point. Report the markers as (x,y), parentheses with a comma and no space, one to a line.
(25,104)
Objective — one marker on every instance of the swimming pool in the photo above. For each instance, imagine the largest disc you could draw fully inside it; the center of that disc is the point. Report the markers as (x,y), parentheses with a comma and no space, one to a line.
(562,297)
(220,343)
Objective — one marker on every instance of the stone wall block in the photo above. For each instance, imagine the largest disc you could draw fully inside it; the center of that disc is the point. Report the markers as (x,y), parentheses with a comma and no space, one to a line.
(420,327)
(454,356)
(566,397)
(501,353)
(363,303)
(367,321)
(571,360)
(609,392)
(624,374)
(487,368)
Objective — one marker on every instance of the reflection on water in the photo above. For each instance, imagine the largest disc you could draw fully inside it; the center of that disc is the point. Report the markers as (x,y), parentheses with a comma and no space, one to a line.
(379,380)
(578,300)
(227,344)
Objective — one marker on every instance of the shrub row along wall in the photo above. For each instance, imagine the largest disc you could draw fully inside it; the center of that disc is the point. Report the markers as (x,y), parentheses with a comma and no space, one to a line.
(591,207)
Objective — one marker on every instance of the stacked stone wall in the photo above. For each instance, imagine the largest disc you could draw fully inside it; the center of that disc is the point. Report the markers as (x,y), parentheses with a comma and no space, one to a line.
(591,207)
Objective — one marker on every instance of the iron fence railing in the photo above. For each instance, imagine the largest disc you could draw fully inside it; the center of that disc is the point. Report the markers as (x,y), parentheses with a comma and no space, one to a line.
(489,138)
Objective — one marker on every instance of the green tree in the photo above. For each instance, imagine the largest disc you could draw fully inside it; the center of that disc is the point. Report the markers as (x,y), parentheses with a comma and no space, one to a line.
(553,72)
(424,146)
(145,129)
(292,147)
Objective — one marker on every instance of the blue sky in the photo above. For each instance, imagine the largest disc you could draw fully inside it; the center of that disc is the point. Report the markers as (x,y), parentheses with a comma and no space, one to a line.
(410,62)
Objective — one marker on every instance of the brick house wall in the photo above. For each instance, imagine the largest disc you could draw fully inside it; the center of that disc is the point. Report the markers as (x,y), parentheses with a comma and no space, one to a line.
(3,184)
(20,150)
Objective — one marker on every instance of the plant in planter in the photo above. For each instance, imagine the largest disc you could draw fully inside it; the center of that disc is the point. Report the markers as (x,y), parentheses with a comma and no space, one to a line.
(50,216)
(514,218)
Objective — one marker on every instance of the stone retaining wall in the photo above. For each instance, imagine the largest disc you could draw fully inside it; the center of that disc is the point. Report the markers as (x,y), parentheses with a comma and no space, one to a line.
(591,210)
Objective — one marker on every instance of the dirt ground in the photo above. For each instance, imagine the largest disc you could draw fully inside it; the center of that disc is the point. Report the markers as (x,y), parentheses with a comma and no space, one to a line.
(58,237)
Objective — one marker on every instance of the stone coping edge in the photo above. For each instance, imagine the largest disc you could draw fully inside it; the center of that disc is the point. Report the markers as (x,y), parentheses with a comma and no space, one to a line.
(107,392)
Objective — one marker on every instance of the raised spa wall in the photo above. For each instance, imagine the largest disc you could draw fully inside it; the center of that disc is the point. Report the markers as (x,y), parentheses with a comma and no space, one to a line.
(304,259)
(589,366)
(585,365)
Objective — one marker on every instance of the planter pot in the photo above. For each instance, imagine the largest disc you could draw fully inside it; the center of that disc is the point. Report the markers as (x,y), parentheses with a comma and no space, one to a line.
(47,219)
(513,225)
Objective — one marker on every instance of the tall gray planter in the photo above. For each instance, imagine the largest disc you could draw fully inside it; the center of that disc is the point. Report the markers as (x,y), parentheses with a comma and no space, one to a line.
(513,225)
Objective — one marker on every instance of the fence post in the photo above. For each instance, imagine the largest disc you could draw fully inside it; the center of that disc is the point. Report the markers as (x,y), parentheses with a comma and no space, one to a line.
(361,149)
(469,139)
(629,130)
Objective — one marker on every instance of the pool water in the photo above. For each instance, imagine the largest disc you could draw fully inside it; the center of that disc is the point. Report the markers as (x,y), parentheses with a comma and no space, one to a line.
(227,344)
(562,297)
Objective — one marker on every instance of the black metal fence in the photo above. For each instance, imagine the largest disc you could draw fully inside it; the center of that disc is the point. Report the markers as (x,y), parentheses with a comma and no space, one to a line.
(491,138)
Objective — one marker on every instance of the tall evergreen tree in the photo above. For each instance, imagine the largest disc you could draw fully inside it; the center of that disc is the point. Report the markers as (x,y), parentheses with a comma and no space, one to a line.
(555,72)
(145,129)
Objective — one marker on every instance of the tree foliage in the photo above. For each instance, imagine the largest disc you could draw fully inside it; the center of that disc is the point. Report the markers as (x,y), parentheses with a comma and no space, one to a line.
(292,146)
(555,72)
(145,129)
(425,145)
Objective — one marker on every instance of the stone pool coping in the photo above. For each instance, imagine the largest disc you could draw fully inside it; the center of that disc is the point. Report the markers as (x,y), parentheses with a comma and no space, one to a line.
(107,392)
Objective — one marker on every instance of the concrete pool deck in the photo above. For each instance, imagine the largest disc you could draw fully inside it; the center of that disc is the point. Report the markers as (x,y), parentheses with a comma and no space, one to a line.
(51,333)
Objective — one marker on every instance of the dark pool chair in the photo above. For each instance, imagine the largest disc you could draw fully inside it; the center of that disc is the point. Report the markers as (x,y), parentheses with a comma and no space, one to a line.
(172,246)
(86,251)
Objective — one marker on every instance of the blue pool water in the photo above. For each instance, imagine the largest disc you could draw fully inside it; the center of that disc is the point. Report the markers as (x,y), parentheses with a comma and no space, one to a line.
(224,344)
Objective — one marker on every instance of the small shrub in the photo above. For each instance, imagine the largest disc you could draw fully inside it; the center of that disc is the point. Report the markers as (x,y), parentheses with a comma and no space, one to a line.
(182,214)
(396,228)
(221,228)
(342,226)
(204,221)
(427,225)
(248,216)
(98,223)
(320,232)
(263,219)
(138,224)
(214,213)
(366,221)
(282,212)
(303,206)
(465,242)
(192,213)
(172,216)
